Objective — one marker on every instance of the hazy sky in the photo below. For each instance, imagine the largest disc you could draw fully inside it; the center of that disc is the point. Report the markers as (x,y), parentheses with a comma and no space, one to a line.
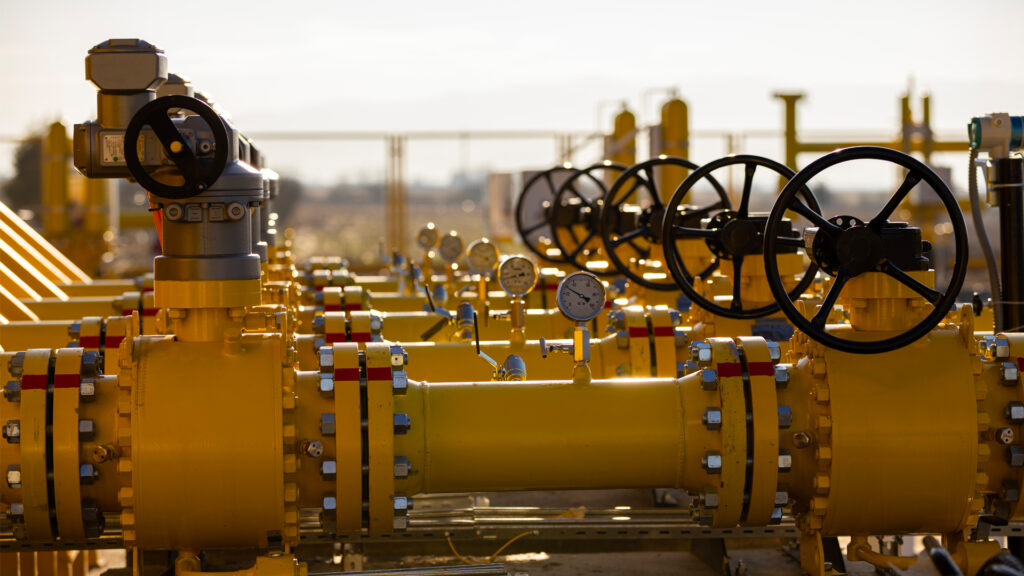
(542,65)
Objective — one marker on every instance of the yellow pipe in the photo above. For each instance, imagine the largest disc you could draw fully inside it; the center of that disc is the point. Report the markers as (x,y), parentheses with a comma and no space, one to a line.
(13,309)
(73,309)
(675,141)
(32,255)
(23,335)
(30,237)
(541,435)
(31,275)
(56,152)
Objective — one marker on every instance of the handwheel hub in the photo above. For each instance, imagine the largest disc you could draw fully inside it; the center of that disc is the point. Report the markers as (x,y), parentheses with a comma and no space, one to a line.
(859,249)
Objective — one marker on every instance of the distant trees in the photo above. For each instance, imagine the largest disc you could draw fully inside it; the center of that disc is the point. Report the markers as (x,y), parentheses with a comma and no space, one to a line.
(24,188)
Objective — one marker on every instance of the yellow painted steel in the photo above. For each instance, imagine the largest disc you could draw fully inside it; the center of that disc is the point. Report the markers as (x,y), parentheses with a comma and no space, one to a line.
(12,309)
(675,141)
(663,342)
(764,411)
(34,451)
(66,482)
(29,237)
(206,293)
(733,467)
(23,268)
(56,153)
(175,503)
(380,437)
(23,335)
(348,439)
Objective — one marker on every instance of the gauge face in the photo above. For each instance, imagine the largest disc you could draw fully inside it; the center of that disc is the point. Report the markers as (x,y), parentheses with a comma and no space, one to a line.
(581,296)
(451,247)
(483,257)
(427,237)
(517,275)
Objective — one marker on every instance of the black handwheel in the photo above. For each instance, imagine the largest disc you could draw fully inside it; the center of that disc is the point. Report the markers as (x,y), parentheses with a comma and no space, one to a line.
(637,224)
(847,247)
(731,235)
(533,207)
(578,205)
(199,172)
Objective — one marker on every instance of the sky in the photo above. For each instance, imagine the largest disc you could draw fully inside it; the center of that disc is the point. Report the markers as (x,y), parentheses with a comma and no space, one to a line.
(474,65)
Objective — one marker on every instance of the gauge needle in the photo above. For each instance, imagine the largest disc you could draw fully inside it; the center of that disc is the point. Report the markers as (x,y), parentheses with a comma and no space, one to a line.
(578,294)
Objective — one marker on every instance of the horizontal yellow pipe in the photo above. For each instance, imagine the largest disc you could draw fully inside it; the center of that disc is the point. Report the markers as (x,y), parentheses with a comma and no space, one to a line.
(543,435)
(23,335)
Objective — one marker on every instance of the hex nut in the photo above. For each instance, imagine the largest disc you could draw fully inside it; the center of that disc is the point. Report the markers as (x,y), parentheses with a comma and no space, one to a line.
(1010,491)
(327,424)
(622,340)
(712,462)
(712,418)
(87,474)
(1001,348)
(12,431)
(402,423)
(709,379)
(399,382)
(682,337)
(801,439)
(774,351)
(401,467)
(785,417)
(12,391)
(326,358)
(401,504)
(781,376)
(326,386)
(376,325)
(17,510)
(1015,456)
(1015,411)
(776,516)
(700,351)
(399,357)
(616,320)
(92,518)
(329,470)
(315,449)
(1005,435)
(781,498)
(86,430)
(329,504)
(785,461)
(14,476)
(87,390)
(318,324)
(710,499)
(92,364)
(16,364)
(1010,373)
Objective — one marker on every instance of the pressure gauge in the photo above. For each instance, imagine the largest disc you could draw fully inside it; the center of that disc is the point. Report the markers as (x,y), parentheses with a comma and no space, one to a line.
(427,237)
(451,247)
(581,296)
(482,256)
(517,275)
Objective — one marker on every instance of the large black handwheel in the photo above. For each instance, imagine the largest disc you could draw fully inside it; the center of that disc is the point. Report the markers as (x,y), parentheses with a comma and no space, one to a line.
(731,235)
(199,172)
(534,205)
(633,221)
(575,215)
(846,247)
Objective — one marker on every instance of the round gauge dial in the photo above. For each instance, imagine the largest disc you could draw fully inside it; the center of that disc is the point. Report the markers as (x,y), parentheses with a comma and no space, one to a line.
(482,256)
(451,247)
(517,275)
(427,237)
(581,296)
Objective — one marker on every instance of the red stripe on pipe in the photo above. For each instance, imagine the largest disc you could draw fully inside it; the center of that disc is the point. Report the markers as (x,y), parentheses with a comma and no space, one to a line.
(662,331)
(33,382)
(378,373)
(332,337)
(112,342)
(360,336)
(66,381)
(346,374)
(637,332)
(729,370)
(351,307)
(92,342)
(761,368)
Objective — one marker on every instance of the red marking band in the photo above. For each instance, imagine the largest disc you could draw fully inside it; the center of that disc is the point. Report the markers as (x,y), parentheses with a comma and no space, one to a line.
(332,337)
(663,331)
(126,312)
(113,342)
(66,381)
(729,370)
(332,307)
(346,374)
(33,382)
(360,336)
(607,304)
(378,373)
(150,311)
(549,286)
(637,332)
(91,342)
(1020,364)
(351,307)
(761,368)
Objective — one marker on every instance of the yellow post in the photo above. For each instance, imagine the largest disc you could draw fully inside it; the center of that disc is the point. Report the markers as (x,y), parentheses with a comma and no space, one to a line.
(56,156)
(621,147)
(675,141)
(792,147)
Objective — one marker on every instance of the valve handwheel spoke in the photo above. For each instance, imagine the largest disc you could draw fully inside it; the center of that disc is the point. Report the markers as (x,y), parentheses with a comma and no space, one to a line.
(532,208)
(850,247)
(568,219)
(633,212)
(730,235)
(198,173)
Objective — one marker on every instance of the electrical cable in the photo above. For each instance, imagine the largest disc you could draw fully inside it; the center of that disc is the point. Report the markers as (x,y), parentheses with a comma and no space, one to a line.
(986,247)
(492,556)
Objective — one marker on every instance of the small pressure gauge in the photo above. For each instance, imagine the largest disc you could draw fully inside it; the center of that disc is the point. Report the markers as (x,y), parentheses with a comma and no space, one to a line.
(581,296)
(451,247)
(427,237)
(517,275)
(482,256)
